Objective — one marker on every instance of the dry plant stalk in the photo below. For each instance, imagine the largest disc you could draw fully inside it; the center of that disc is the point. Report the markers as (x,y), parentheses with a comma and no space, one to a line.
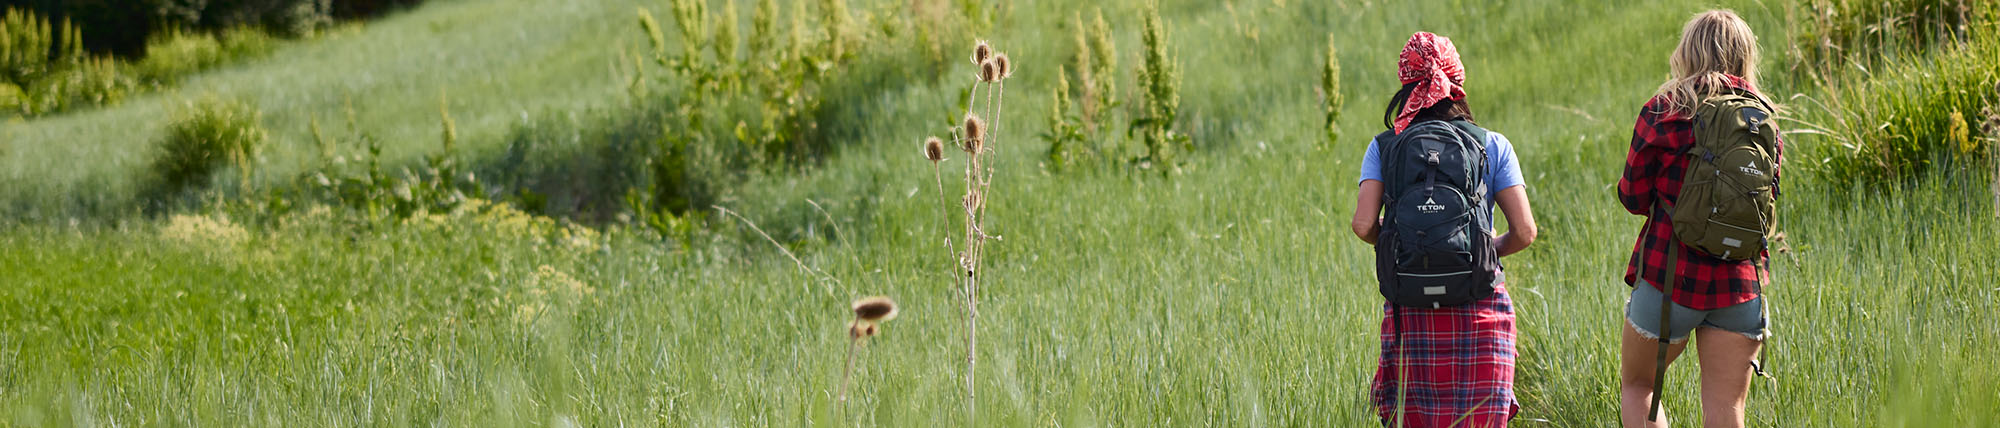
(976,135)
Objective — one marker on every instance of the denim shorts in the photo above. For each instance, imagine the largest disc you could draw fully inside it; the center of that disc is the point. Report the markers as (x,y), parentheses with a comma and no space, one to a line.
(1642,310)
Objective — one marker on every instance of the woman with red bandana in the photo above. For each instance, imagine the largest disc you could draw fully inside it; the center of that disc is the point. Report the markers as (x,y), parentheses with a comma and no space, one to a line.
(1716,301)
(1454,365)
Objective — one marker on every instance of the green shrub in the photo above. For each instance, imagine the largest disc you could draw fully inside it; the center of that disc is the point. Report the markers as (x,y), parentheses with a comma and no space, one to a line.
(1065,135)
(1160,82)
(46,65)
(204,137)
(174,54)
(1102,81)
(86,83)
(47,70)
(1904,119)
(31,47)
(242,43)
(12,100)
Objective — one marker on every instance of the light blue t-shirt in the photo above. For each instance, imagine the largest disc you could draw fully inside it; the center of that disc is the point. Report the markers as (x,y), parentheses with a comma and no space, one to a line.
(1503,170)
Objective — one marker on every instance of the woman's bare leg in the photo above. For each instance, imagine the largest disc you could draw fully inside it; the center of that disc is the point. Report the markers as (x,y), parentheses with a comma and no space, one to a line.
(1725,375)
(1635,386)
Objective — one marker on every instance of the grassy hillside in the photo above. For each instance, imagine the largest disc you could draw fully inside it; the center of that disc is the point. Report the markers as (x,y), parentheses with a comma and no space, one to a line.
(497,61)
(1231,294)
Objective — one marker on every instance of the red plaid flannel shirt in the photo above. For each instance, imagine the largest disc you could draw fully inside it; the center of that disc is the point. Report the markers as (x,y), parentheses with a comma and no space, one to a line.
(1653,171)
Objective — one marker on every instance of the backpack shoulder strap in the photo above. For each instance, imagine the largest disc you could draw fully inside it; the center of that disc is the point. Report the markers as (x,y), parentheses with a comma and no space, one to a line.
(1745,93)
(1478,133)
(1385,146)
(1385,141)
(1479,137)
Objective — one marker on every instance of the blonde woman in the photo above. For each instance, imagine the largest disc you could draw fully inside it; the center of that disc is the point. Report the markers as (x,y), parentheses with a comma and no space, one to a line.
(1719,302)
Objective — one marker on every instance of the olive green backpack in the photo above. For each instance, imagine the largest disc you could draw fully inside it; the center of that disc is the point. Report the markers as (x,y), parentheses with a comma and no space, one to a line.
(1728,197)
(1728,201)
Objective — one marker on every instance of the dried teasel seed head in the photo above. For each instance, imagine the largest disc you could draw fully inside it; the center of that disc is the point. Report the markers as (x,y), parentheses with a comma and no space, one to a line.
(981,51)
(972,201)
(974,132)
(934,149)
(1006,69)
(875,309)
(989,71)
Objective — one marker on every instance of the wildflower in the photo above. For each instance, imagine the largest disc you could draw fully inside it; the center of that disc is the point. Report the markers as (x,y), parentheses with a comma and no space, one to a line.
(1958,134)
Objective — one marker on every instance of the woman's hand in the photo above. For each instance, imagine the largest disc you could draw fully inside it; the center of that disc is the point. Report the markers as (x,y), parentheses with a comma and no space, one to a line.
(1521,231)
(1367,222)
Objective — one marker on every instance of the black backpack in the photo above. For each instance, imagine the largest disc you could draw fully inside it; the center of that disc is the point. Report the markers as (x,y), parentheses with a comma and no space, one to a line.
(1436,247)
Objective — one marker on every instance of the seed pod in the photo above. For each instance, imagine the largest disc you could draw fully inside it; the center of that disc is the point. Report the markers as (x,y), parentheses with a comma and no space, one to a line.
(875,309)
(989,72)
(1005,69)
(975,134)
(933,149)
(980,52)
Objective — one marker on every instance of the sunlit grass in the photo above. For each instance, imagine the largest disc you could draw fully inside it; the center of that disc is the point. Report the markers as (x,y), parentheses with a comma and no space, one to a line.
(1229,295)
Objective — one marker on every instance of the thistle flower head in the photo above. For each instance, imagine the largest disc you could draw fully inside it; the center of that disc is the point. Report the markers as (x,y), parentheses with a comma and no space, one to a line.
(874,309)
(989,71)
(934,149)
(981,51)
(1006,69)
(974,134)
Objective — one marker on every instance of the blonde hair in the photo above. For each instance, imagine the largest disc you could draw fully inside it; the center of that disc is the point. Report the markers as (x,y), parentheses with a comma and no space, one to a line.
(1713,44)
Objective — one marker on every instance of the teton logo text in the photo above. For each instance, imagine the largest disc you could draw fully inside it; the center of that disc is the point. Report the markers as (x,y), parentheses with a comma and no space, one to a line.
(1751,169)
(1430,206)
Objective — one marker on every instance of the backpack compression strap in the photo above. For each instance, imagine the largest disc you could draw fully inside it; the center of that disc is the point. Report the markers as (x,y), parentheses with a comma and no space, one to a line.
(1666,327)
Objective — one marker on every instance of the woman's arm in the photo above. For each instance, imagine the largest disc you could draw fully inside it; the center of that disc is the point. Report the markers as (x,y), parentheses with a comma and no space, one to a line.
(1635,187)
(1642,163)
(1368,211)
(1521,231)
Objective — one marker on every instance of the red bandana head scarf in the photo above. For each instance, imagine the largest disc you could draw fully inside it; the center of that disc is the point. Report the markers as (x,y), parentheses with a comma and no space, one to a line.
(1430,61)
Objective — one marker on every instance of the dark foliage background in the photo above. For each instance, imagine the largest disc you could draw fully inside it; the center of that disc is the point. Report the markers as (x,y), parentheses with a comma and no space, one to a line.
(120,27)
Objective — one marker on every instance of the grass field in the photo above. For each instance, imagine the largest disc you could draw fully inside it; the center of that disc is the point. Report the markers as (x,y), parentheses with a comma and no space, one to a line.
(1229,295)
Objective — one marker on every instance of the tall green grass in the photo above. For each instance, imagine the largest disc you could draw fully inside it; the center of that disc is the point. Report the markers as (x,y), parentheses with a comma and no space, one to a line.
(1228,295)
(1893,124)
